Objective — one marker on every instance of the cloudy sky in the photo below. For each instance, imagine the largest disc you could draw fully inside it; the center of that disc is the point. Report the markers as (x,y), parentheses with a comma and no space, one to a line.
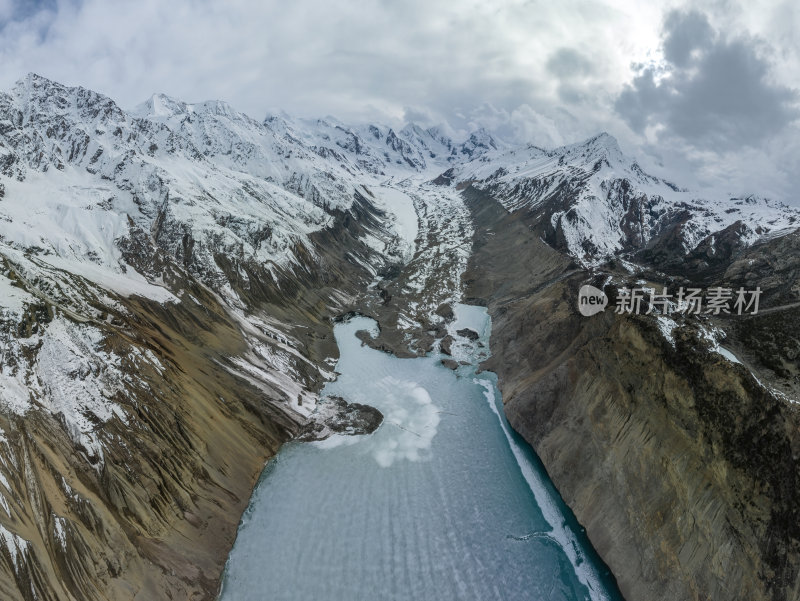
(704,92)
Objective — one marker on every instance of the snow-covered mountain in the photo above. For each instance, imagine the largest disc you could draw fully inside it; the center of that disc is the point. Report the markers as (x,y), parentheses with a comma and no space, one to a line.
(203,178)
(188,251)
(99,203)
(599,203)
(181,251)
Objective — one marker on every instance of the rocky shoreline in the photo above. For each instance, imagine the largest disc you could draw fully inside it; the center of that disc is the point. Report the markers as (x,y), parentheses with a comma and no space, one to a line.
(335,415)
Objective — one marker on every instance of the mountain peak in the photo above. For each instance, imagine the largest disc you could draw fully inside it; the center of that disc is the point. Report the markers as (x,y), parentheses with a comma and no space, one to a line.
(604,142)
(34,84)
(600,147)
(483,135)
(412,128)
(161,105)
(39,98)
(35,79)
(479,142)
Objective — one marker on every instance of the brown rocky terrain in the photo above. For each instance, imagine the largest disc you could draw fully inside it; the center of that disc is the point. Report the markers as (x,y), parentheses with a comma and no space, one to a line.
(683,468)
(155,516)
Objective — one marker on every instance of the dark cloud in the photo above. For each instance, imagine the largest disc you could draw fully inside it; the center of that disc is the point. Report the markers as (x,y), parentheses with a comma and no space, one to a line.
(641,100)
(713,92)
(18,10)
(567,63)
(685,33)
(572,70)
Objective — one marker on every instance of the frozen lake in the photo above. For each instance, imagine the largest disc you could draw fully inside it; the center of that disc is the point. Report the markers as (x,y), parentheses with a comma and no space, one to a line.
(442,502)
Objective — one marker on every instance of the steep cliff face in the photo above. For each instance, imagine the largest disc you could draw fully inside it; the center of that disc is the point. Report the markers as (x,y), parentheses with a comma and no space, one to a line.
(149,508)
(680,463)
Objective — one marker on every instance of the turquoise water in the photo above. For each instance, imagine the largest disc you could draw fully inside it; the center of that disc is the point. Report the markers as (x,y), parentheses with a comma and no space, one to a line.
(442,502)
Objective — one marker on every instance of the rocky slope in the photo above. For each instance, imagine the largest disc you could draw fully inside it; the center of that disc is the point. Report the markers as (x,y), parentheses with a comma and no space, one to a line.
(169,277)
(679,457)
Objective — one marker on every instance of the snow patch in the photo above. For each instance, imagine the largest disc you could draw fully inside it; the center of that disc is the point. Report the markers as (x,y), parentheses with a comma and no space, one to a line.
(666,325)
(78,379)
(60,531)
(16,546)
(404,217)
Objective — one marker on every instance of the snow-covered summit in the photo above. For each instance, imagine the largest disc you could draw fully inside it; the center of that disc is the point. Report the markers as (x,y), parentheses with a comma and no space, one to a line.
(599,202)
(230,183)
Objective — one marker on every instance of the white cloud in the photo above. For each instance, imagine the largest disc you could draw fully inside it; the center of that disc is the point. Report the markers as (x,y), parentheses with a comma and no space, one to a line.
(312,57)
(542,71)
